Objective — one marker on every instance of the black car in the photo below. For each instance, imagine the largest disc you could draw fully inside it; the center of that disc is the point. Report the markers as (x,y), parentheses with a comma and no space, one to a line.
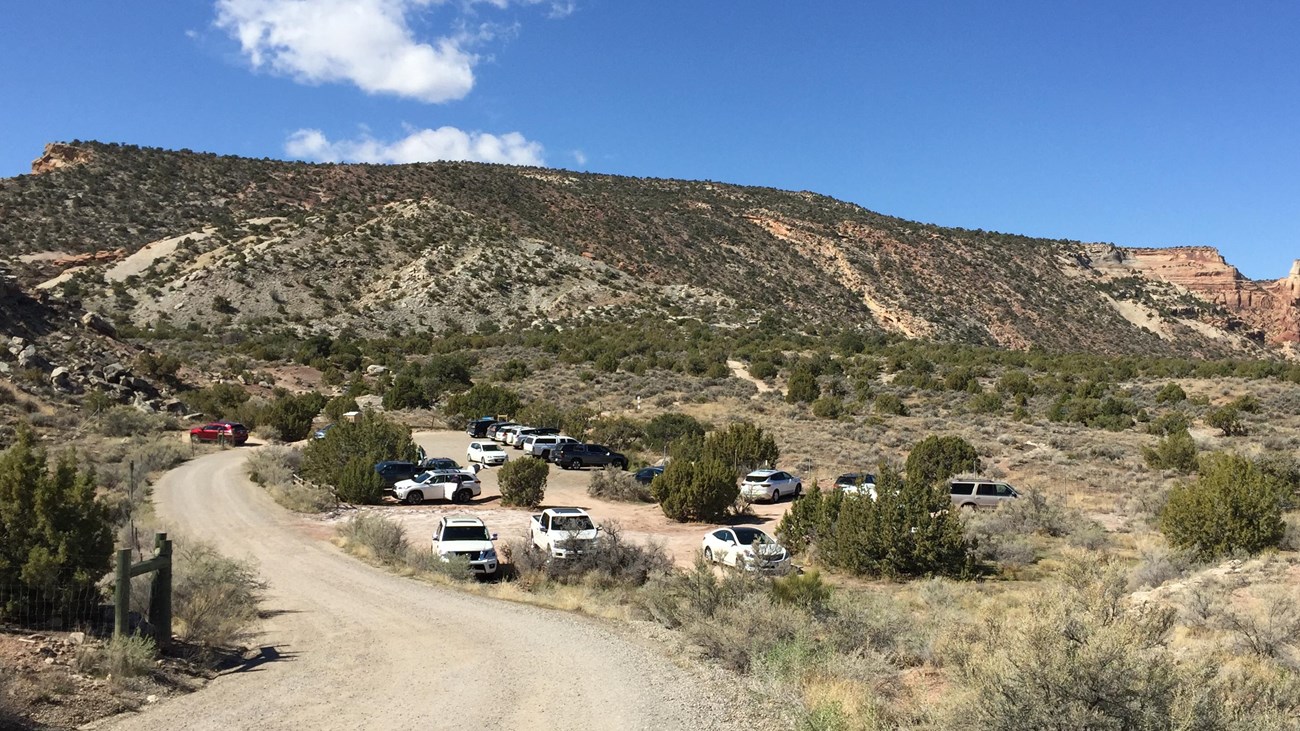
(478,428)
(394,471)
(577,456)
(647,475)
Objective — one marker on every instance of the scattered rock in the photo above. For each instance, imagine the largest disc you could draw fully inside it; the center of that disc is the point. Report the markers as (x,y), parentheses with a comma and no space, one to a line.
(96,322)
(376,369)
(76,638)
(59,377)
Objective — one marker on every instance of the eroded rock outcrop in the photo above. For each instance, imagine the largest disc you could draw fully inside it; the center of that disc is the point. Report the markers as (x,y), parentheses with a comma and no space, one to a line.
(58,155)
(1272,308)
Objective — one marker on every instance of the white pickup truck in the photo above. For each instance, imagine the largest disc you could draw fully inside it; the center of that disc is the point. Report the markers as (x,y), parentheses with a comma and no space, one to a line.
(563,532)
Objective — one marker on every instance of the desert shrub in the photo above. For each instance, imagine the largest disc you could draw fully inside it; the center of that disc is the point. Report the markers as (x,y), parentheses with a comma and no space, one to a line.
(702,490)
(1158,565)
(214,597)
(417,385)
(336,407)
(1268,627)
(270,465)
(124,656)
(1231,506)
(806,590)
(1166,424)
(456,568)
(910,529)
(989,402)
(291,415)
(612,483)
(53,529)
(163,366)
(220,400)
(1248,403)
(616,432)
(828,407)
(346,457)
(523,482)
(1227,419)
(615,562)
(484,399)
(665,429)
(1174,452)
(961,378)
(802,387)
(127,421)
(157,455)
(740,637)
(1016,383)
(741,445)
(938,458)
(679,597)
(383,537)
(1170,393)
(1077,656)
(889,404)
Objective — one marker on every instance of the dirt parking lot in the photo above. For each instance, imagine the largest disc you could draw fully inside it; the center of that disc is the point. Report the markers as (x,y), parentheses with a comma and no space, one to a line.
(568,488)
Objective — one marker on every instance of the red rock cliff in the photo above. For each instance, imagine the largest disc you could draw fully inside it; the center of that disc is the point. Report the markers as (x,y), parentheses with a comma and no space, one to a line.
(1270,307)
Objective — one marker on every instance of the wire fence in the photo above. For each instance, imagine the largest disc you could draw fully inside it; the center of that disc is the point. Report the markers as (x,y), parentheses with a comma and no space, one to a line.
(57,606)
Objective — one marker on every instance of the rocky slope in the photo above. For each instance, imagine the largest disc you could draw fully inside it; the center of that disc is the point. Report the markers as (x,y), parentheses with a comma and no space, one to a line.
(215,242)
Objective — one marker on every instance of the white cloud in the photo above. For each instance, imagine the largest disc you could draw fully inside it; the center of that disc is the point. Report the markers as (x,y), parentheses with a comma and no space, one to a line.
(424,145)
(580,157)
(365,42)
(369,43)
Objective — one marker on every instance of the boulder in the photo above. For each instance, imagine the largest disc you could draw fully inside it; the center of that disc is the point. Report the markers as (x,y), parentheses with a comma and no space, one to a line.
(96,322)
(376,369)
(27,357)
(112,371)
(60,377)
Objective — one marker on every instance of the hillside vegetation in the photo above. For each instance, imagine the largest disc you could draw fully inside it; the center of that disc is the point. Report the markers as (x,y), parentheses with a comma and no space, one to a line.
(377,250)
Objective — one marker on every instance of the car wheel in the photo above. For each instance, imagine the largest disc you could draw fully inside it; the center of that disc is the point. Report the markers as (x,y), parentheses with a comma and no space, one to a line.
(623,465)
(575,464)
(414,497)
(708,555)
(798,489)
(463,495)
(968,507)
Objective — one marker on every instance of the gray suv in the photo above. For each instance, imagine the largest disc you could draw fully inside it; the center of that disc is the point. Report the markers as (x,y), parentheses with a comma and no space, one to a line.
(577,456)
(975,493)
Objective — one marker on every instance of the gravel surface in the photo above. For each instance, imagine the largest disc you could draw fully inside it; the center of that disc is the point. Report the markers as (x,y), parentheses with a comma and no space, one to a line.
(346,646)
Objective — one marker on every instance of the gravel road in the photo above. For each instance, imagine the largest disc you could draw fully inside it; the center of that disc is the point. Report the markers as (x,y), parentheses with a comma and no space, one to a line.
(348,646)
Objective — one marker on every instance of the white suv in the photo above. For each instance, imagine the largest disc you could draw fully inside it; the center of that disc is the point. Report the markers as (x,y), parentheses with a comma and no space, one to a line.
(542,446)
(486,452)
(770,485)
(467,536)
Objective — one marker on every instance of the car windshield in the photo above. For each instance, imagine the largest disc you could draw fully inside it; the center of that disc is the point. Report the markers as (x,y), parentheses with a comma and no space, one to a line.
(423,477)
(749,536)
(571,523)
(465,533)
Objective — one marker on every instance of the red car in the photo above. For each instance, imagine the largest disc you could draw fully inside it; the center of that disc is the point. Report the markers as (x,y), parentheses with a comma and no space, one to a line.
(224,432)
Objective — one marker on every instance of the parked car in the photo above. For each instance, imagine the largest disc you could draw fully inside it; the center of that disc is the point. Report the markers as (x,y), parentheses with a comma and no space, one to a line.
(467,536)
(770,485)
(576,456)
(321,432)
(495,428)
(745,548)
(442,463)
(857,483)
(486,453)
(222,432)
(647,475)
(517,441)
(541,445)
(969,494)
(394,471)
(478,428)
(506,434)
(563,532)
(453,485)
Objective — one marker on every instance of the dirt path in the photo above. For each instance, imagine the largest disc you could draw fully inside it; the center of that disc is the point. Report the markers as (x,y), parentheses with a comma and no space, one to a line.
(348,646)
(738,369)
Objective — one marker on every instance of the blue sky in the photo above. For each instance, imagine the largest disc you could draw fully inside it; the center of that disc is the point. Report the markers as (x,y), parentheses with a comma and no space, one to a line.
(1143,124)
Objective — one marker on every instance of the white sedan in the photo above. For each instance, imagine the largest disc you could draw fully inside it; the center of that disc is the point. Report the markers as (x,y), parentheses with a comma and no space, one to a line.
(486,452)
(745,548)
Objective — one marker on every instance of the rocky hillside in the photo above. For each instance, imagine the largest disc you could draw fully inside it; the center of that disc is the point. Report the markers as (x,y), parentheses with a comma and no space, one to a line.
(197,240)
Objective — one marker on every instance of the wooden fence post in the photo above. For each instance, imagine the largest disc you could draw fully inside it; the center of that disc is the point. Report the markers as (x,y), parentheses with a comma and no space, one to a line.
(160,598)
(122,594)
